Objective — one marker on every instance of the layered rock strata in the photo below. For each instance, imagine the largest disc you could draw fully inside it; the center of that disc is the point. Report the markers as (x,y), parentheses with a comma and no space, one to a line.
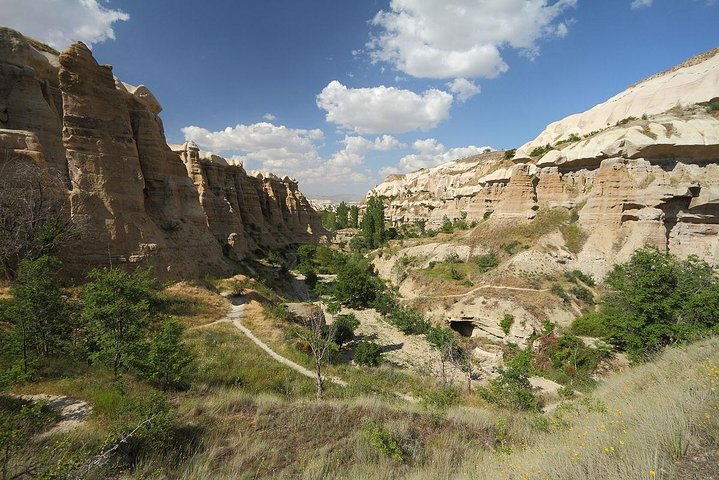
(139,201)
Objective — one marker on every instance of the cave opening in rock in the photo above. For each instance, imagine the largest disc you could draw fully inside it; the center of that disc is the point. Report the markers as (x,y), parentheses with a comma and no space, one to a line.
(463,327)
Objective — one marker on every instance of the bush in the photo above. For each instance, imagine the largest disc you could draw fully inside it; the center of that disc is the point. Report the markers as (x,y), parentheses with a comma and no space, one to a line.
(487,214)
(541,151)
(511,389)
(455,274)
(408,320)
(509,154)
(168,359)
(441,399)
(382,440)
(345,326)
(591,324)
(582,294)
(575,275)
(368,354)
(559,291)
(311,279)
(355,286)
(506,323)
(486,262)
(659,300)
(447,226)
(439,337)
(453,258)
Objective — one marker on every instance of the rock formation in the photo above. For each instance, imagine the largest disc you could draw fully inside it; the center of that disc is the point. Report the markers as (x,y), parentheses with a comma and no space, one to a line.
(651,176)
(141,202)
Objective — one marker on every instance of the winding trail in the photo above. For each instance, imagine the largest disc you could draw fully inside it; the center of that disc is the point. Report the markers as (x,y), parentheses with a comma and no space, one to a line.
(485,287)
(235,318)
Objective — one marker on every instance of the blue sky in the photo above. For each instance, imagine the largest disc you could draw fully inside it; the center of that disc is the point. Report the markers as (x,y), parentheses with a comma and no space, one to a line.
(339,93)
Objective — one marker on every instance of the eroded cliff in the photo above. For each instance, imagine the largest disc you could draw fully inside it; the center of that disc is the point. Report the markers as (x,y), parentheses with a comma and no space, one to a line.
(140,202)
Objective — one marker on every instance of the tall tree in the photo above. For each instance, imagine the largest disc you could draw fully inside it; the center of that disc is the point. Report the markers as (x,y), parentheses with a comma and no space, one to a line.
(116,310)
(354,216)
(373,222)
(39,309)
(342,215)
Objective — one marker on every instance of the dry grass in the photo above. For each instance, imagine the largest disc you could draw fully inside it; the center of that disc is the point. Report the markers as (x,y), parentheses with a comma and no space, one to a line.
(194,305)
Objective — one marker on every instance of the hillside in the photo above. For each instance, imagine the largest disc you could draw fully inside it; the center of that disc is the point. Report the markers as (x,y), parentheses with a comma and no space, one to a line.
(137,201)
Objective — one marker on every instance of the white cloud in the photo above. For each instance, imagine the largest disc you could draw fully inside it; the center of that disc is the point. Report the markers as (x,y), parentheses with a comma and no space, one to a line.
(463,88)
(462,38)
(431,153)
(385,172)
(61,22)
(642,3)
(275,147)
(292,152)
(269,117)
(383,109)
(356,148)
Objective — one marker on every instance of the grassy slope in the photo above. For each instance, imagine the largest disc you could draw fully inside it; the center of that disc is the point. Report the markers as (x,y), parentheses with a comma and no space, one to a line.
(636,425)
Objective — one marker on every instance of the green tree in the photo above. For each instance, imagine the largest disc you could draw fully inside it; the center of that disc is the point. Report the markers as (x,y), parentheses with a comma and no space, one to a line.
(658,300)
(168,359)
(368,354)
(355,286)
(328,219)
(354,216)
(447,226)
(342,215)
(39,310)
(373,222)
(345,326)
(116,311)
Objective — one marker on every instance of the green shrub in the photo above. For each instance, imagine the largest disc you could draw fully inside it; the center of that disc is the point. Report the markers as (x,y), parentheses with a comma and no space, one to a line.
(441,399)
(506,323)
(519,360)
(382,440)
(453,258)
(559,291)
(509,154)
(311,279)
(368,354)
(447,226)
(575,275)
(356,286)
(439,337)
(455,274)
(487,214)
(548,327)
(345,326)
(408,320)
(659,300)
(168,359)
(512,247)
(591,324)
(541,151)
(626,120)
(486,262)
(511,389)
(582,294)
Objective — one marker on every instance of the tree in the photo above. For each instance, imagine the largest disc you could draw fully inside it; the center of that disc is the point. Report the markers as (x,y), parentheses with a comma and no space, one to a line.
(345,326)
(168,358)
(373,222)
(658,300)
(368,354)
(39,309)
(342,215)
(116,311)
(355,286)
(34,215)
(354,216)
(319,337)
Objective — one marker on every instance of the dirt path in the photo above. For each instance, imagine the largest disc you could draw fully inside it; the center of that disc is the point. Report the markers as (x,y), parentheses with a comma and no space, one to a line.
(485,287)
(235,318)
(73,412)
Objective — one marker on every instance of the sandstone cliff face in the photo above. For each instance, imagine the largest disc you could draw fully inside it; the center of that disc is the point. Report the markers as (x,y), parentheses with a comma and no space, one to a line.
(650,179)
(140,202)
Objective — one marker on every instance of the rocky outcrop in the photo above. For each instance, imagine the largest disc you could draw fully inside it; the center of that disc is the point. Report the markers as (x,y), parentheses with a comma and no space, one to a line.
(140,202)
(650,176)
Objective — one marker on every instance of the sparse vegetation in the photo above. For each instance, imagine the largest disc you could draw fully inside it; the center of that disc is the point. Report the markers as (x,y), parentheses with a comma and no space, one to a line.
(541,151)
(506,323)
(486,262)
(509,154)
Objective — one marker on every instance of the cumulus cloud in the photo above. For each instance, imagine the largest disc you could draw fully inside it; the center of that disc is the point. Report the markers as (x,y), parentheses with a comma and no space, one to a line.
(463,88)
(431,153)
(383,109)
(276,147)
(269,117)
(61,22)
(293,152)
(642,3)
(462,38)
(356,148)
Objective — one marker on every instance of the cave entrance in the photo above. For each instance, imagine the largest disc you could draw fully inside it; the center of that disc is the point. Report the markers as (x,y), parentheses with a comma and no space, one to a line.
(463,327)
